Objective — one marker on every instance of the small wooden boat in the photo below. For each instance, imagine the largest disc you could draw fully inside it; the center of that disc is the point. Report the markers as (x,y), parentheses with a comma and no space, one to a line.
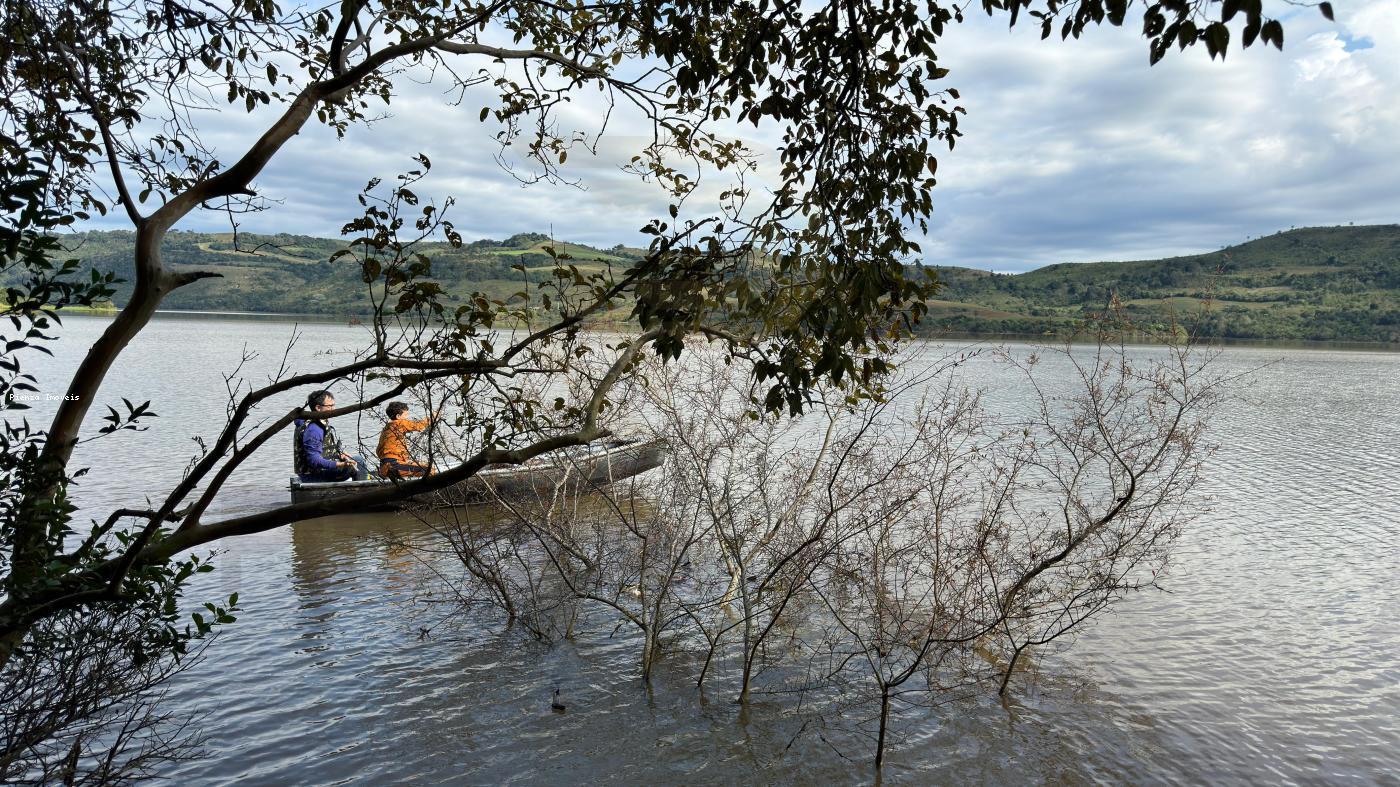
(578,470)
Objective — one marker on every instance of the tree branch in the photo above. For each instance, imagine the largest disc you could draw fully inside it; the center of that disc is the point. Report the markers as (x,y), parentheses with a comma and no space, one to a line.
(463,48)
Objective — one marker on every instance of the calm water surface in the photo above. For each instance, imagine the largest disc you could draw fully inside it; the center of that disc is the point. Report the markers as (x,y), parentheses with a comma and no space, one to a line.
(1273,656)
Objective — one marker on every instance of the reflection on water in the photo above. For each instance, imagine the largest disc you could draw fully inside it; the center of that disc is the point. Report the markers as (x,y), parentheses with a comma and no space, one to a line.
(1271,657)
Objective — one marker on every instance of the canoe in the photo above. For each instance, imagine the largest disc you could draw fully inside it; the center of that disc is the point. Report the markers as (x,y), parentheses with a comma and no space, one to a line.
(580,469)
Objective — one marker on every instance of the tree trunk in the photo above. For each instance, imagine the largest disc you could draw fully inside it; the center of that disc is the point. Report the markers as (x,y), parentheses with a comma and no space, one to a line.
(884,724)
(648,655)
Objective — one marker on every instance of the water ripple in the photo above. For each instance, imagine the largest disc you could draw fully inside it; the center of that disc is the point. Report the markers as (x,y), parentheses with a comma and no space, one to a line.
(1273,657)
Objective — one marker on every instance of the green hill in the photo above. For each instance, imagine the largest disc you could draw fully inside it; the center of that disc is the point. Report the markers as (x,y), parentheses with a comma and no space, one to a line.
(1319,283)
(292,274)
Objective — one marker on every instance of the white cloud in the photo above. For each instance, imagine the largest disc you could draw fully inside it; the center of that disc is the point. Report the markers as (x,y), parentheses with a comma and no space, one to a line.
(1072,151)
(1187,156)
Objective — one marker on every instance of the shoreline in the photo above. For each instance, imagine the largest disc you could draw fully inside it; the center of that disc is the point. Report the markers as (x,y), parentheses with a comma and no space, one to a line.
(1351,345)
(356,319)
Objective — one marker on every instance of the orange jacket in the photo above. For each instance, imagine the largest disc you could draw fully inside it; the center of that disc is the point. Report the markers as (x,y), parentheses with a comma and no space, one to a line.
(391,440)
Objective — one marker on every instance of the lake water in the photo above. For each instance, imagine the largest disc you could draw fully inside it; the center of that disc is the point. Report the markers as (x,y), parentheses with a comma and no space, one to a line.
(1273,656)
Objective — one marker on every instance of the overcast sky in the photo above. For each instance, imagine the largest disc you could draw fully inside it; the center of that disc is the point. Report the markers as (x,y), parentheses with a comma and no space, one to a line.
(1071,151)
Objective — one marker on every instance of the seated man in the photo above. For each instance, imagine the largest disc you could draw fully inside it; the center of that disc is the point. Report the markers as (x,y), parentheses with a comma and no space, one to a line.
(316,451)
(394,460)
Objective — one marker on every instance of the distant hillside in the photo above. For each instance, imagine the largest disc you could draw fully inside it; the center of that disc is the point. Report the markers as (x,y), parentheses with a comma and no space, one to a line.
(1317,283)
(292,274)
(1323,283)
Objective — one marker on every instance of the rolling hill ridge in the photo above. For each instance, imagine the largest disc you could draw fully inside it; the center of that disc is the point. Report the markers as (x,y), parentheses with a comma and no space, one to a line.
(1317,283)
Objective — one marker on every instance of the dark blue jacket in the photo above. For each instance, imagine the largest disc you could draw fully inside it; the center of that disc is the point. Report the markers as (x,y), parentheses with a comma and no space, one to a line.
(316,449)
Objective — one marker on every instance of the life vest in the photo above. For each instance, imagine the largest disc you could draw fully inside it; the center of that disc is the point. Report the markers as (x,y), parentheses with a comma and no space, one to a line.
(330,447)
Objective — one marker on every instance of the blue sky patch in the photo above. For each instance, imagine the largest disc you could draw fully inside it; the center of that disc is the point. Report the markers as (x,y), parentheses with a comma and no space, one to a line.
(1354,43)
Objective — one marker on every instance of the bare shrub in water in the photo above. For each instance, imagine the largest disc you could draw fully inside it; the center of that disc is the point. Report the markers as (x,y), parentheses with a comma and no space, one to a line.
(87,711)
(905,547)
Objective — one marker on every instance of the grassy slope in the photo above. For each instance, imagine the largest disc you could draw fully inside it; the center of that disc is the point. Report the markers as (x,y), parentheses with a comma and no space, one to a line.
(1314,283)
(293,274)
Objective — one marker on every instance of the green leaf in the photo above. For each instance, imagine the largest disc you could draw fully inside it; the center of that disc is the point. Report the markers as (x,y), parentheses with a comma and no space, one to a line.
(1217,39)
(1251,32)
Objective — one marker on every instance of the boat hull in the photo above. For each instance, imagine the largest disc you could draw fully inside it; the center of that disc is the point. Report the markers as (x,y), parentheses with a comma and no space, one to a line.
(574,472)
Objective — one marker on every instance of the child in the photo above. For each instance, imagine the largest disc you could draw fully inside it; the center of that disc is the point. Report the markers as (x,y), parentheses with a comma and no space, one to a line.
(394,461)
